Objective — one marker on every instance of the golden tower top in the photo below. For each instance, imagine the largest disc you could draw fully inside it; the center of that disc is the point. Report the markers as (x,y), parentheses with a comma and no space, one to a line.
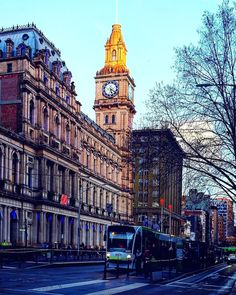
(115,53)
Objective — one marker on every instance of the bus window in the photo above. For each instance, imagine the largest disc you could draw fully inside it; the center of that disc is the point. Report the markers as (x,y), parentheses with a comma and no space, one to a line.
(137,243)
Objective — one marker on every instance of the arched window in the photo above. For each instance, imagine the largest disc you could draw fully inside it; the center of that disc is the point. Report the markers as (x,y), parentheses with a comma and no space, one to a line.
(57,127)
(31,112)
(14,168)
(46,57)
(106,119)
(21,50)
(114,55)
(113,119)
(45,119)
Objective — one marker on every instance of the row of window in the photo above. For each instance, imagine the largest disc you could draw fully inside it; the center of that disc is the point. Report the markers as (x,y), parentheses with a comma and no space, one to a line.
(111,120)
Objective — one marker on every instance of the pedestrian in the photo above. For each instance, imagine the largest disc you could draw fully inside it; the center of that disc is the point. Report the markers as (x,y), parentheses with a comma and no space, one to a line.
(138,261)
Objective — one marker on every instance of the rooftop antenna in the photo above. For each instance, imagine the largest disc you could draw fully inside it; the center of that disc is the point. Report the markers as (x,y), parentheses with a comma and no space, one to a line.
(116,11)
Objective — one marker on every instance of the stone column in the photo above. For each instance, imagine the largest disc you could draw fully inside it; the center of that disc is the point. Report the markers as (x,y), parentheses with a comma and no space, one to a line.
(55,229)
(55,178)
(66,230)
(75,239)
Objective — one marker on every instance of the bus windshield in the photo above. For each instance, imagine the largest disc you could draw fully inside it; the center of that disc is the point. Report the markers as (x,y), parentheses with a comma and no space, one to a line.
(120,241)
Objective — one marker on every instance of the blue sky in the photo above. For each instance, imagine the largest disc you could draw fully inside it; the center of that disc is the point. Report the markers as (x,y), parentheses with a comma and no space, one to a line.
(80,28)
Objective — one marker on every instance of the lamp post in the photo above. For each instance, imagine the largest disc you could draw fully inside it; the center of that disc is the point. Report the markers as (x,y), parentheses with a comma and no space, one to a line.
(162,208)
(170,209)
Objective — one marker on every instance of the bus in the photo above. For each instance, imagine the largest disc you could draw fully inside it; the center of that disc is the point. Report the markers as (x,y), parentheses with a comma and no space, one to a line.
(124,241)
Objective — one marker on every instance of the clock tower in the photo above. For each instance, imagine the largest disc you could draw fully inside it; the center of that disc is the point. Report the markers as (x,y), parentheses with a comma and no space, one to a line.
(114,97)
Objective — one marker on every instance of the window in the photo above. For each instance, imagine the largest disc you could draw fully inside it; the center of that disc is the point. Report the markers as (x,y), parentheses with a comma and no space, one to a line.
(22,50)
(67,99)
(67,134)
(14,168)
(30,177)
(31,112)
(57,127)
(9,67)
(45,79)
(57,89)
(113,119)
(45,119)
(106,119)
(46,57)
(88,160)
(114,55)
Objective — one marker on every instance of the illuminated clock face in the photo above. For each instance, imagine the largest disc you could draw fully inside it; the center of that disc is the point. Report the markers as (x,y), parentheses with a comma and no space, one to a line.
(110,89)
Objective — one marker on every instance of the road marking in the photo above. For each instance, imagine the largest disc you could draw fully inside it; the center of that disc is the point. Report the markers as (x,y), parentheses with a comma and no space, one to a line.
(210,275)
(118,289)
(64,286)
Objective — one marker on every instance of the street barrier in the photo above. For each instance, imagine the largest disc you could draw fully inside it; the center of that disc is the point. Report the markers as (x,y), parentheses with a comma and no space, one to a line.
(25,257)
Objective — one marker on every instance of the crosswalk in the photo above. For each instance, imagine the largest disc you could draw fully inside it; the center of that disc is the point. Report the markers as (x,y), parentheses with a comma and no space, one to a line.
(110,291)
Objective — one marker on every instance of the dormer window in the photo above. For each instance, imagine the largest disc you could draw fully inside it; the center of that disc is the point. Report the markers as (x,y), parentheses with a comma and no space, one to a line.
(57,89)
(46,57)
(114,55)
(21,50)
(45,79)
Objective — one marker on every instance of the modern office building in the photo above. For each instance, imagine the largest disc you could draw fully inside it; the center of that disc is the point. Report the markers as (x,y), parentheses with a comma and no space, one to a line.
(60,172)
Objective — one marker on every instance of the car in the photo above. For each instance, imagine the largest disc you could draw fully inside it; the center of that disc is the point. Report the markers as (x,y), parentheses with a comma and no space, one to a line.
(231,258)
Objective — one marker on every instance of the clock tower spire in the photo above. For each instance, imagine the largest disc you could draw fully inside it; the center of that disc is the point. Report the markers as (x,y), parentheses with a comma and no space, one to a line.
(114,98)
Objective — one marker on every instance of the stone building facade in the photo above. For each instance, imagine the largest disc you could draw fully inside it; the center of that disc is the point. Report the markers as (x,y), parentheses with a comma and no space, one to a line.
(60,172)
(158,164)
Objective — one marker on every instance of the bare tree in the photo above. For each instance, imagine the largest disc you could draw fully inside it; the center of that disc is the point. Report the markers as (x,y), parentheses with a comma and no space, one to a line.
(200,106)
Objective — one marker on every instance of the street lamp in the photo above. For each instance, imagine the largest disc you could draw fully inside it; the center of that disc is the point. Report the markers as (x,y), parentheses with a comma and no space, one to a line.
(162,208)
(170,209)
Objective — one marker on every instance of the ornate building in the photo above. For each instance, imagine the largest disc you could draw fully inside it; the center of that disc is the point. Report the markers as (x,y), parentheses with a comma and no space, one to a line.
(60,172)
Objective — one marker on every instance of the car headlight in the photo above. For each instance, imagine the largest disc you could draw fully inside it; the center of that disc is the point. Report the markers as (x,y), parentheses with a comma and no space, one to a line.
(128,256)
(108,255)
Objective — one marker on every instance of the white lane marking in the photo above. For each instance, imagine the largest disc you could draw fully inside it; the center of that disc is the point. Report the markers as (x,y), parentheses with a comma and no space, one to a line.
(64,286)
(197,274)
(118,289)
(210,275)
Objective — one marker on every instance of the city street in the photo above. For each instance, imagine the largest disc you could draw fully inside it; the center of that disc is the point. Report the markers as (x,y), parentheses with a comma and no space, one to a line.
(89,280)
